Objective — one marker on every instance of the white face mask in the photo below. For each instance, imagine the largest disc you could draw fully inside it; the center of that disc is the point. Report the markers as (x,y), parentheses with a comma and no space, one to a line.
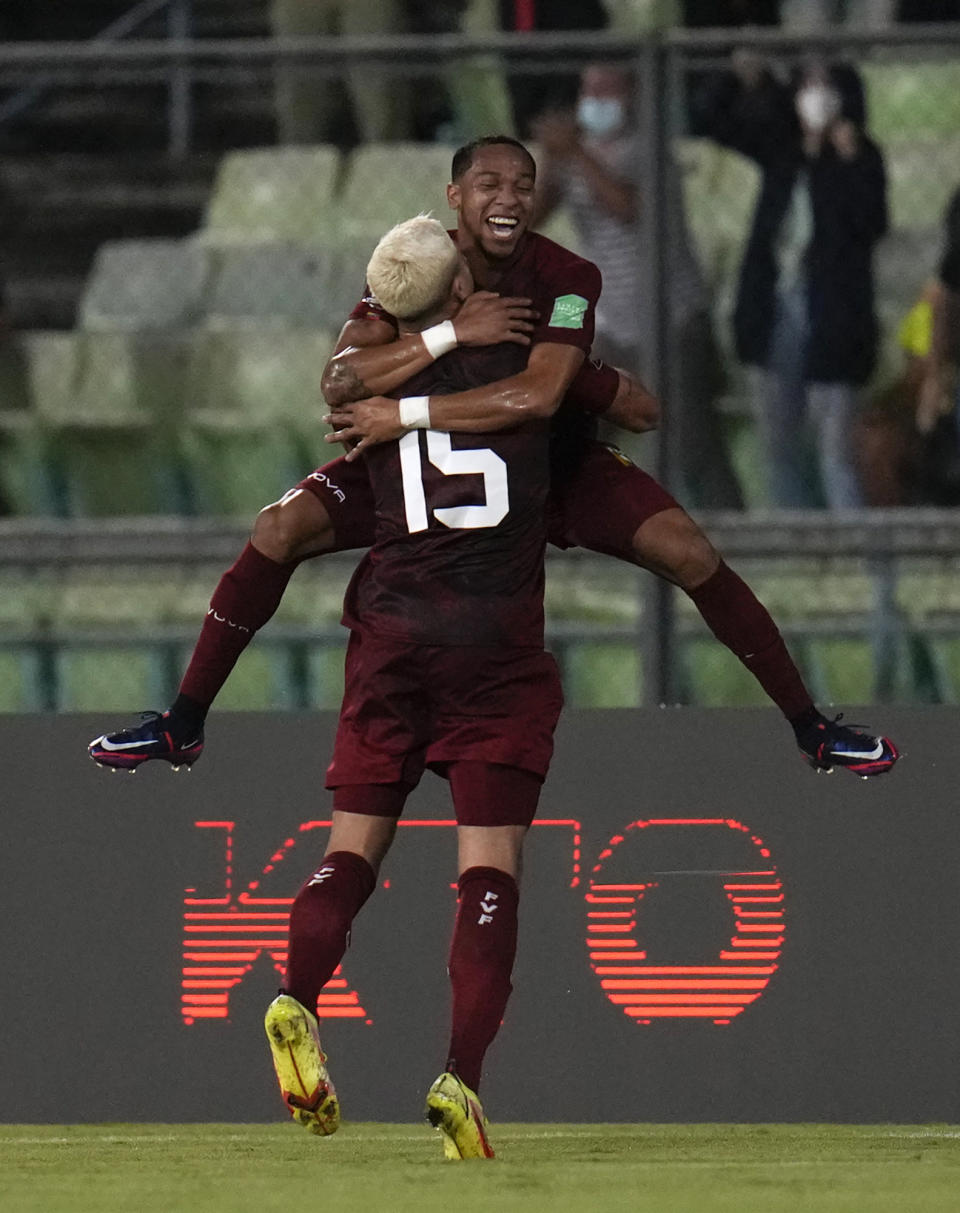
(817,106)
(600,115)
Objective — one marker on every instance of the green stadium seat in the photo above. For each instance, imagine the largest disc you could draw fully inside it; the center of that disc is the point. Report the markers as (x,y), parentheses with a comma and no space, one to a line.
(325,676)
(418,174)
(602,676)
(107,621)
(843,669)
(912,100)
(720,190)
(268,195)
(262,680)
(714,678)
(922,174)
(279,284)
(145,285)
(24,599)
(107,404)
(234,468)
(260,375)
(27,482)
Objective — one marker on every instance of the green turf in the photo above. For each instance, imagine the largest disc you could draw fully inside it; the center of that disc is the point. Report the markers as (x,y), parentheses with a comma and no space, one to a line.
(373,1168)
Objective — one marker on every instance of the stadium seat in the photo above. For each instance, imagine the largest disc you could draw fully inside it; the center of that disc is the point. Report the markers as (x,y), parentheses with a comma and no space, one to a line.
(418,174)
(719,189)
(27,482)
(279,284)
(96,671)
(23,614)
(904,262)
(602,676)
(918,196)
(260,375)
(110,429)
(912,100)
(254,428)
(713,678)
(145,285)
(266,195)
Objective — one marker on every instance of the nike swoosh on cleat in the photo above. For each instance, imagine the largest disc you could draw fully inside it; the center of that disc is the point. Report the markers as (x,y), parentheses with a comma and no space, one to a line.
(124,745)
(868,754)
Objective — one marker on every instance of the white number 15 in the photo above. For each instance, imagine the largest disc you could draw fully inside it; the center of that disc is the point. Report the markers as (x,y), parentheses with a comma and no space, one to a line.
(481,461)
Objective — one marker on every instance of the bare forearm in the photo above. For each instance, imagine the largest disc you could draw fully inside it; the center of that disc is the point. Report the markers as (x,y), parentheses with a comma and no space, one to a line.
(357,373)
(634,408)
(484,410)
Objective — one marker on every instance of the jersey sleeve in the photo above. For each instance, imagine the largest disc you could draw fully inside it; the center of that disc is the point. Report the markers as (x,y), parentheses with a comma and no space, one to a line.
(594,387)
(369,308)
(567,303)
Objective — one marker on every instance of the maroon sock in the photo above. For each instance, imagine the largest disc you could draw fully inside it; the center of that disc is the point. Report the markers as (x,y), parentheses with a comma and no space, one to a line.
(320,922)
(245,598)
(740,621)
(481,961)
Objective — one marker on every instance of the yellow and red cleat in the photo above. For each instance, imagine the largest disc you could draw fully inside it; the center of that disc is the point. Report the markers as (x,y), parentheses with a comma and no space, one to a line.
(300,1064)
(456,1112)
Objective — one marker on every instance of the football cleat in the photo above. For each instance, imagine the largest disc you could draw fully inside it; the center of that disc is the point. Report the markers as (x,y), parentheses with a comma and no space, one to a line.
(456,1112)
(301,1067)
(152,738)
(827,744)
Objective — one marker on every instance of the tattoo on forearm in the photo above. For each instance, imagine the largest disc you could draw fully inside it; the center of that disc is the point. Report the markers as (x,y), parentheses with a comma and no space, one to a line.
(345,385)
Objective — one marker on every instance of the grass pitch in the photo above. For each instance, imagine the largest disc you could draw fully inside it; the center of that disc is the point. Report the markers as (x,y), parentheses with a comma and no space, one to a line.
(379,1168)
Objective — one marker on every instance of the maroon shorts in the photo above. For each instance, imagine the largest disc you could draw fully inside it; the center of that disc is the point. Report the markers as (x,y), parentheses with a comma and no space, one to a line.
(407,707)
(603,502)
(344,490)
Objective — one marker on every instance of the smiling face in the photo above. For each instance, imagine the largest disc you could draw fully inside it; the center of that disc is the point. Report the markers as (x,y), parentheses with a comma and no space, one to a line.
(494,200)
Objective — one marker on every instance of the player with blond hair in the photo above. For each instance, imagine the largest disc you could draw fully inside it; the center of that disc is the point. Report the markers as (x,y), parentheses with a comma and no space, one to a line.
(445,671)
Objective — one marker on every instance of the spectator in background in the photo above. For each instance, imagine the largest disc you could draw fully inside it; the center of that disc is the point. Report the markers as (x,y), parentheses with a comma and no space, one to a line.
(312,108)
(590,162)
(532,94)
(805,313)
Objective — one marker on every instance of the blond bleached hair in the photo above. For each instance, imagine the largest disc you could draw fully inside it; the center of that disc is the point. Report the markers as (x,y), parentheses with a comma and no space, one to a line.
(413,267)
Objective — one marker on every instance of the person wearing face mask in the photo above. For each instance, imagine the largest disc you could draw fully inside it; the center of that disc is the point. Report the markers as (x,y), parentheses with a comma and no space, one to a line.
(805,314)
(589,161)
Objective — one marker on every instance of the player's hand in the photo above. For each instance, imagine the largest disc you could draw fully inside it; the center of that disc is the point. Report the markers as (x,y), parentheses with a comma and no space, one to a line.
(364,423)
(488,319)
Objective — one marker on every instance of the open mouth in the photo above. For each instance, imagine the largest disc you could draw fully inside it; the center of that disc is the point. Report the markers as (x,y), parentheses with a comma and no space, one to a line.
(502,227)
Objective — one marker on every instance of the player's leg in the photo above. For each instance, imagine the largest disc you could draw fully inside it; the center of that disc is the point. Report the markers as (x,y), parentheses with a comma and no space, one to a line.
(615,508)
(377,760)
(484,943)
(364,824)
(331,510)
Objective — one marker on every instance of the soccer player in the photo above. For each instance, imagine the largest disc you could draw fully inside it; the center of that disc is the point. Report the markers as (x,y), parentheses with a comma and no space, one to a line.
(601,501)
(446,671)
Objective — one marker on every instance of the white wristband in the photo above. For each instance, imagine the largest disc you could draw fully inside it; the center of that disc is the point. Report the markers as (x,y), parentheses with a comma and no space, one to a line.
(440,339)
(415,412)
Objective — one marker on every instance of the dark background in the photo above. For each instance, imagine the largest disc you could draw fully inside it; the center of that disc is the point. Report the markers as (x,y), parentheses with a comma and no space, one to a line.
(860,1022)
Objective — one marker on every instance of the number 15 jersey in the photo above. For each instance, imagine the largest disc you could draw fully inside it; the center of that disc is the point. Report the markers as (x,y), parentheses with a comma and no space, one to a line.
(460,524)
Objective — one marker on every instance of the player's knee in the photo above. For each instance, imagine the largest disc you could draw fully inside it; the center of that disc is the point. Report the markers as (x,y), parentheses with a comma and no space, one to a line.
(285,528)
(671,543)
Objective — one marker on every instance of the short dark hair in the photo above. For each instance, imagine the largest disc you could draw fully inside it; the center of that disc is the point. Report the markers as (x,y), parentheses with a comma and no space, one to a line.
(463,156)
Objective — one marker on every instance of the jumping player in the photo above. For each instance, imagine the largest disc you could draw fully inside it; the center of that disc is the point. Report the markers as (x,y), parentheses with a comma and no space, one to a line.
(601,501)
(445,670)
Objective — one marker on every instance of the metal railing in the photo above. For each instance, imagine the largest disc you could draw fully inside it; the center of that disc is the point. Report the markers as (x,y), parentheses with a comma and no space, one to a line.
(881,542)
(179,92)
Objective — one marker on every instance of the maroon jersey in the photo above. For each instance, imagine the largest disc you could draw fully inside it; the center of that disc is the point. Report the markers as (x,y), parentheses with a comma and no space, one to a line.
(460,524)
